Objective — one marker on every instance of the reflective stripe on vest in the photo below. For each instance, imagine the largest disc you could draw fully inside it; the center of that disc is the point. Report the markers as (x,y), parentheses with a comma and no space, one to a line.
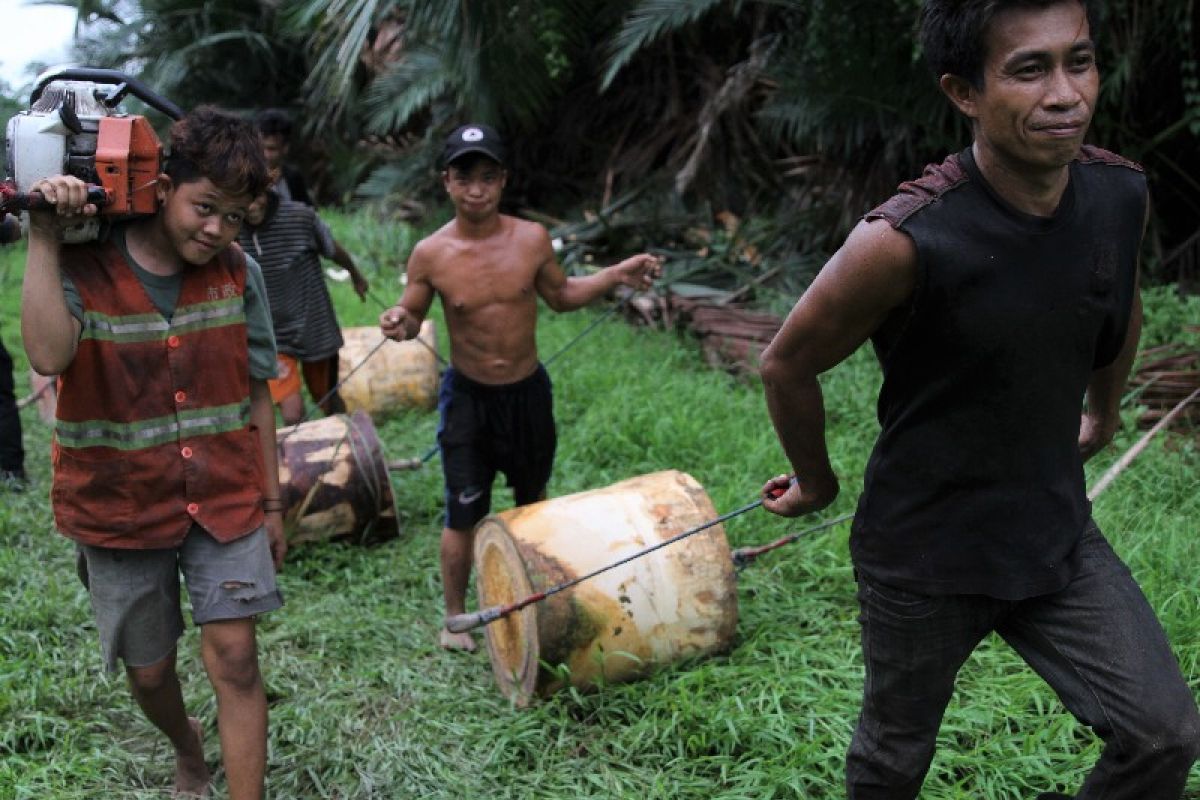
(152,327)
(152,432)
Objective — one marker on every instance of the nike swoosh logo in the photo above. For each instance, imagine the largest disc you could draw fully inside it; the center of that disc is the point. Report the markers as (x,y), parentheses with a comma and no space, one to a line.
(467,499)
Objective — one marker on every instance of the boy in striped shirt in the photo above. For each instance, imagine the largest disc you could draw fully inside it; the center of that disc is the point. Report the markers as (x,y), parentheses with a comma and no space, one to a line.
(288,240)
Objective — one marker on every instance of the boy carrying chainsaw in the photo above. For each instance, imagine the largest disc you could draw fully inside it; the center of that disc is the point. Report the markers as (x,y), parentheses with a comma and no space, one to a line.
(164,448)
(495,399)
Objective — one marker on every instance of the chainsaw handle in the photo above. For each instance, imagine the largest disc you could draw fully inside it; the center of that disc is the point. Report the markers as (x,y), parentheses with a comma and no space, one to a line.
(34,201)
(122,83)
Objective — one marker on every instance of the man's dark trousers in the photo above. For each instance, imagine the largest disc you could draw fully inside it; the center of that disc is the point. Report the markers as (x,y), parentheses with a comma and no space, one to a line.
(1097,643)
(12,454)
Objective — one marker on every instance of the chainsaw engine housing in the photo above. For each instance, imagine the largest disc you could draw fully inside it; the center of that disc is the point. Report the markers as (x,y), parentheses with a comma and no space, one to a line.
(73,128)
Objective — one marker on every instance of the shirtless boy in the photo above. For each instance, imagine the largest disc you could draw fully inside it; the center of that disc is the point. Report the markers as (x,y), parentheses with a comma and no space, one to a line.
(495,400)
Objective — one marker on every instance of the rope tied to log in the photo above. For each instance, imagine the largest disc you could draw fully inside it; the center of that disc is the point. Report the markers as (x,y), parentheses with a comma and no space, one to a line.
(371,476)
(335,388)
(460,623)
(384,307)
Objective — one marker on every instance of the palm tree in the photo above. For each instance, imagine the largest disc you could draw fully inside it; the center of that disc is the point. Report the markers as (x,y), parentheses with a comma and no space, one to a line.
(1150,107)
(407,71)
(804,111)
(230,52)
(849,103)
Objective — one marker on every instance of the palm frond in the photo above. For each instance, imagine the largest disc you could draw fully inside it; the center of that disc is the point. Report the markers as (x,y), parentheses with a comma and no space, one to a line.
(172,70)
(649,22)
(397,177)
(406,88)
(337,30)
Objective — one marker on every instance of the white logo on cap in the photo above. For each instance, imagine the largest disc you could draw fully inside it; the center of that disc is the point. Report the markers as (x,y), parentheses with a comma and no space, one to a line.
(472,135)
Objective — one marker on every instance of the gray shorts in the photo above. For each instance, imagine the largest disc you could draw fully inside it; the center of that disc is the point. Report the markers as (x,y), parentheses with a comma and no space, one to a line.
(135,593)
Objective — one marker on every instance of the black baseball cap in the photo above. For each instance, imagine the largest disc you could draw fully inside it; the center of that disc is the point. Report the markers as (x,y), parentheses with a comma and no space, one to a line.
(473,138)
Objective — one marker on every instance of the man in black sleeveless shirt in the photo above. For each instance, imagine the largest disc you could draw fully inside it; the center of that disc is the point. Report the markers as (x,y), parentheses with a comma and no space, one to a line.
(999,291)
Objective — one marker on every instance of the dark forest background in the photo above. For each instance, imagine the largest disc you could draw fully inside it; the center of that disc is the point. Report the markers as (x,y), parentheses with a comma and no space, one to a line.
(752,132)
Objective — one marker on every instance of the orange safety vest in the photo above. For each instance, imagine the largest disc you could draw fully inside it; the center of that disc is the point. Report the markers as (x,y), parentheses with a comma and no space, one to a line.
(153,428)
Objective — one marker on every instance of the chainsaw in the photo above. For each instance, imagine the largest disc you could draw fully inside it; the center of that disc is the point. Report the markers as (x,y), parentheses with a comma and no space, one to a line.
(73,127)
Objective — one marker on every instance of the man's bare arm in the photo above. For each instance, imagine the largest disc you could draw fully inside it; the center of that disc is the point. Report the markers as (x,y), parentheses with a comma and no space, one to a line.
(403,320)
(344,260)
(564,293)
(872,274)
(1102,413)
(1102,402)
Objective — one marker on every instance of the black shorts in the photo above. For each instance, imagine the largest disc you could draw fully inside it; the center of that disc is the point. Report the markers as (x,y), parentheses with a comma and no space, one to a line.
(488,429)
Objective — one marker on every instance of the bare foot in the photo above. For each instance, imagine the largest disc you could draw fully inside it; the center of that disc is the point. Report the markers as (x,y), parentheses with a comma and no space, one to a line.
(457,641)
(191,773)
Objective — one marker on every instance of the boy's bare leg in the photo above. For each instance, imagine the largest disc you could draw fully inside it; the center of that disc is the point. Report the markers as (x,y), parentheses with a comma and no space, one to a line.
(230,654)
(187,782)
(291,408)
(320,377)
(456,570)
(156,690)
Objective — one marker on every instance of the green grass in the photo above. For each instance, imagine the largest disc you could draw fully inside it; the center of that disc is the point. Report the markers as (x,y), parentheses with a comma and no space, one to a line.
(364,705)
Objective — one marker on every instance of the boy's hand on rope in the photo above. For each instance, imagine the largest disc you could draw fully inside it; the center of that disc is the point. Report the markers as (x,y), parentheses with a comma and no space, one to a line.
(640,271)
(393,322)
